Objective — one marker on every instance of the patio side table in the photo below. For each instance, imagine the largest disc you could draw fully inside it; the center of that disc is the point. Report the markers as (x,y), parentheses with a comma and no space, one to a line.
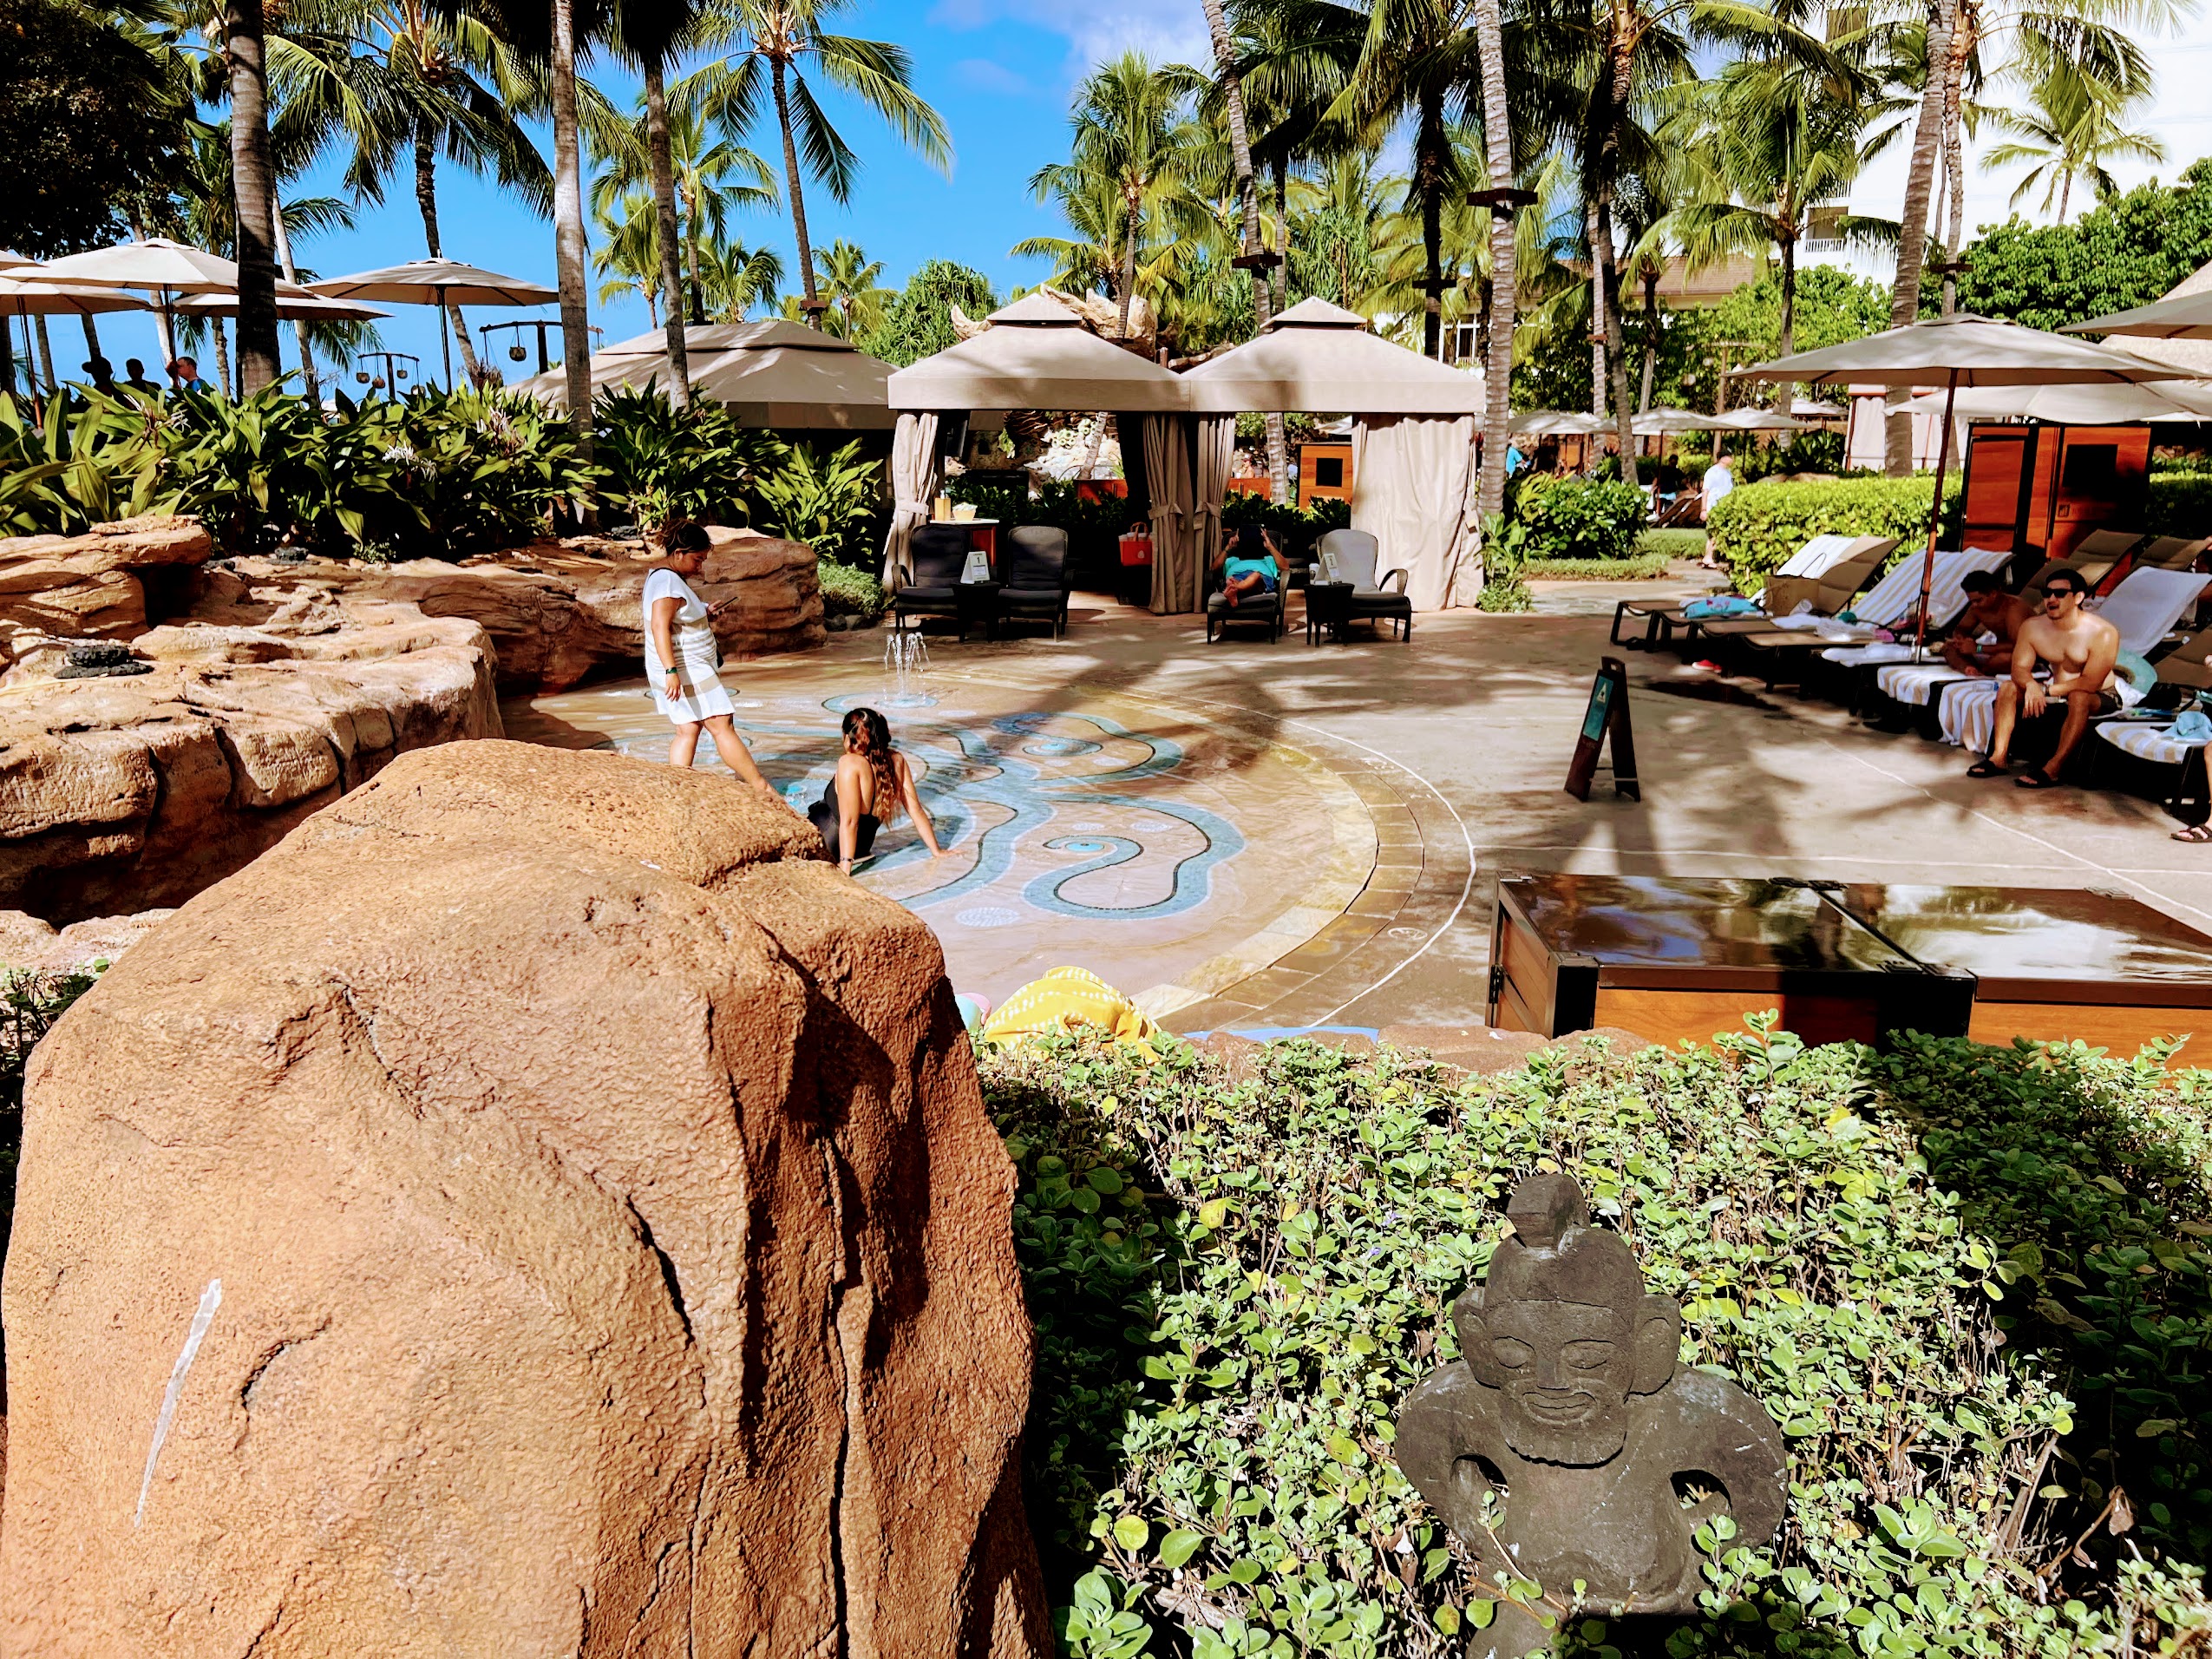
(1328,606)
(979,603)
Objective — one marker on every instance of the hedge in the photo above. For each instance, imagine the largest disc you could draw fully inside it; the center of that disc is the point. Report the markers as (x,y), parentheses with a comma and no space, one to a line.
(1758,527)
(1576,518)
(1970,1284)
(2180,504)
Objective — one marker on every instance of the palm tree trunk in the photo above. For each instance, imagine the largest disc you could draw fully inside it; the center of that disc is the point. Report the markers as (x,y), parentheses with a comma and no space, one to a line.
(1225,62)
(1920,182)
(46,351)
(1624,418)
(426,202)
(569,230)
(698,305)
(1278,274)
(1597,380)
(1129,263)
(1955,169)
(1497,363)
(310,382)
(671,271)
(1431,158)
(1651,337)
(222,356)
(1788,341)
(776,67)
(254,197)
(2066,194)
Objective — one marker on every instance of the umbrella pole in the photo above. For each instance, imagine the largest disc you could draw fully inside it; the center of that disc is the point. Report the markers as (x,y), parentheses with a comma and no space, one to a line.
(445,334)
(1934,517)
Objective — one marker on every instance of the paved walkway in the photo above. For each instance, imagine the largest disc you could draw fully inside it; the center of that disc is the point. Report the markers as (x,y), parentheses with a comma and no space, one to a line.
(1458,743)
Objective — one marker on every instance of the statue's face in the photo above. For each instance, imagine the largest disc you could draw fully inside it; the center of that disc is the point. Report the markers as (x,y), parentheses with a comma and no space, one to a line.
(1567,1368)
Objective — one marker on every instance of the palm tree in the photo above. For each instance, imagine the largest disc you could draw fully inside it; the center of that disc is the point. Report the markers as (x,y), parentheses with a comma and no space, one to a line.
(649,33)
(1229,85)
(629,258)
(404,83)
(1133,136)
(1929,129)
(734,278)
(849,279)
(711,177)
(255,187)
(1499,173)
(2071,130)
(773,39)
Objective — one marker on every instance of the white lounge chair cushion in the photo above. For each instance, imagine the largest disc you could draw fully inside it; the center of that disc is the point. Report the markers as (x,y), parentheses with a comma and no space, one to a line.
(2148,603)
(1969,712)
(2145,741)
(1881,651)
(1915,682)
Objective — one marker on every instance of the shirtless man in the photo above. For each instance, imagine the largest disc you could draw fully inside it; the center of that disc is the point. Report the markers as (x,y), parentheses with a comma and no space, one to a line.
(1990,609)
(2081,649)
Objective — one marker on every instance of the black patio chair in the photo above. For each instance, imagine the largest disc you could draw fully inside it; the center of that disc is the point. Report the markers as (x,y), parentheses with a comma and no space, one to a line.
(1034,580)
(930,583)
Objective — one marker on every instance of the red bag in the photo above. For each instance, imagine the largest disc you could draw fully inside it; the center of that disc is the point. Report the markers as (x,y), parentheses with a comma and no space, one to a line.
(1136,546)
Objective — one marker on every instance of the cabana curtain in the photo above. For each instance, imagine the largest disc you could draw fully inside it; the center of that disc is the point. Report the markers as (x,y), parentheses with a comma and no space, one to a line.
(1413,490)
(1175,578)
(914,463)
(1217,454)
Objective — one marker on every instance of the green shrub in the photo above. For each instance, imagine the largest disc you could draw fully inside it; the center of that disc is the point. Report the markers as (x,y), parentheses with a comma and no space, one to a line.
(1637,567)
(664,464)
(833,502)
(2180,503)
(1235,1283)
(1575,518)
(1758,527)
(1672,544)
(847,591)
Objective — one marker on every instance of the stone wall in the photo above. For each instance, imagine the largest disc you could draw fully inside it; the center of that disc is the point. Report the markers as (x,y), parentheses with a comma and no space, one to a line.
(539,1208)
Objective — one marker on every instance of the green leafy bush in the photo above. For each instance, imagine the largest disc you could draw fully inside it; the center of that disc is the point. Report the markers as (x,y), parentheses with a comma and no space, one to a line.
(1505,563)
(2180,503)
(1575,518)
(833,502)
(664,464)
(65,464)
(29,1003)
(1236,1282)
(1296,529)
(847,591)
(1758,527)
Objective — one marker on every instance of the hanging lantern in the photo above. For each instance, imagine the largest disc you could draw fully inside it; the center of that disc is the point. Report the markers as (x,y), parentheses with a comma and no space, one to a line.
(399,374)
(361,375)
(515,353)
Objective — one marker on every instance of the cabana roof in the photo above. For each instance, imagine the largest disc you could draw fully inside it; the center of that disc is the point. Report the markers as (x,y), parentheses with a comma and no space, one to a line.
(1037,354)
(1318,357)
(771,373)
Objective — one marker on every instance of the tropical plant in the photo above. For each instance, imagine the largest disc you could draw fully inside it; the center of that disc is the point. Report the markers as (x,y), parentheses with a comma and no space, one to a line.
(851,283)
(1577,518)
(832,502)
(1754,536)
(919,323)
(768,45)
(664,464)
(2071,132)
(402,85)
(712,178)
(2127,252)
(1237,1281)
(734,279)
(1134,144)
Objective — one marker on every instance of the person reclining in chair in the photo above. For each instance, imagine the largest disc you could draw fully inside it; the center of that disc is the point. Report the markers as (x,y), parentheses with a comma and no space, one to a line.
(1990,609)
(2081,649)
(1252,564)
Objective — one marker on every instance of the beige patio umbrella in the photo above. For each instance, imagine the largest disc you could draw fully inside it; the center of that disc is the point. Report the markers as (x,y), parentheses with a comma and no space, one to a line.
(1557,423)
(1962,350)
(436,282)
(154,264)
(294,304)
(1748,419)
(2178,317)
(2166,401)
(1655,422)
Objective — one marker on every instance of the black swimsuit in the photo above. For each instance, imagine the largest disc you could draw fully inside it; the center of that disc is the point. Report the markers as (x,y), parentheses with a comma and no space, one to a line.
(823,815)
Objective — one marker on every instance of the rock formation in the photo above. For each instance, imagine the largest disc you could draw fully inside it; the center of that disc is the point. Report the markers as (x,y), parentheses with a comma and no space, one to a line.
(123,794)
(538,1208)
(29,944)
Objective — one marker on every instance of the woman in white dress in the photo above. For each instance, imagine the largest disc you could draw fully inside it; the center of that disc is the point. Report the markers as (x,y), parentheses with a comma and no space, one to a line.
(680,659)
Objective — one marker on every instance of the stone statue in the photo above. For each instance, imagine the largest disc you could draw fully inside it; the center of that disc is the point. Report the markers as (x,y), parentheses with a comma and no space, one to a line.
(1569,1407)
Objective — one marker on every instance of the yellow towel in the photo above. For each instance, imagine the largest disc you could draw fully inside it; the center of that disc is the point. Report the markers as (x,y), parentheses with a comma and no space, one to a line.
(1066,997)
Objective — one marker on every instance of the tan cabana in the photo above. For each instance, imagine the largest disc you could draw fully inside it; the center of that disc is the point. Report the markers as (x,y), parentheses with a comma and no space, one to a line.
(772,373)
(1038,354)
(1413,433)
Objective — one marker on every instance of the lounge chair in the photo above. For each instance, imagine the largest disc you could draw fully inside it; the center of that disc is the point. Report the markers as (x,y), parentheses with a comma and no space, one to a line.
(1033,578)
(2168,553)
(1259,610)
(1792,602)
(1827,572)
(1792,643)
(1352,556)
(929,585)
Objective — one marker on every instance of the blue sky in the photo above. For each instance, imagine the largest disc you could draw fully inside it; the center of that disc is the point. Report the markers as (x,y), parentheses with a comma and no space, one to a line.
(1001,73)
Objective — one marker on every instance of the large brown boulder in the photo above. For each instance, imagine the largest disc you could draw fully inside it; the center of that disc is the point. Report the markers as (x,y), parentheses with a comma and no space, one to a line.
(538,1208)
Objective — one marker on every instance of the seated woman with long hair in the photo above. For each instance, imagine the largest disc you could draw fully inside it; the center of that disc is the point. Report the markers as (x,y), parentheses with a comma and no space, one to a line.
(873,781)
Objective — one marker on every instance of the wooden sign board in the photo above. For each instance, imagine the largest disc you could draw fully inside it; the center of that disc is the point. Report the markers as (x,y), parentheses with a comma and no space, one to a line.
(1605,717)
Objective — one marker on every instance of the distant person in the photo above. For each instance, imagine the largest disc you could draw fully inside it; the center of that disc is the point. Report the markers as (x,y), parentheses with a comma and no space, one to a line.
(136,372)
(184,375)
(1718,480)
(872,782)
(1514,460)
(1667,479)
(1989,610)
(1252,564)
(2081,650)
(680,653)
(101,374)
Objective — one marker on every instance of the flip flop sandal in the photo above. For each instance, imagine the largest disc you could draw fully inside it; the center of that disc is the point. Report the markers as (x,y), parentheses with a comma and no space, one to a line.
(2035,778)
(1985,768)
(2196,834)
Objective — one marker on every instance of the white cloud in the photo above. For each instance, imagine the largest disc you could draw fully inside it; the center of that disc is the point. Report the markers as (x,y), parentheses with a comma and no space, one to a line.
(1165,31)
